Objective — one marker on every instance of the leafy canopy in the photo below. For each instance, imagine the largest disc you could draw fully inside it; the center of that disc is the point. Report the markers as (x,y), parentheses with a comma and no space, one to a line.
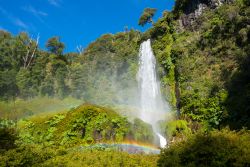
(147,16)
(54,45)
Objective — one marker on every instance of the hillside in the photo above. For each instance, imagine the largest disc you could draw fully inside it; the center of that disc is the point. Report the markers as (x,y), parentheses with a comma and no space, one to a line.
(206,63)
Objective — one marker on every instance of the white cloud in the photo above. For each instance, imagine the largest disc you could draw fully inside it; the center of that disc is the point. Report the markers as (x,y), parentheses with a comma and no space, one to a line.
(54,2)
(34,11)
(40,15)
(13,19)
(19,23)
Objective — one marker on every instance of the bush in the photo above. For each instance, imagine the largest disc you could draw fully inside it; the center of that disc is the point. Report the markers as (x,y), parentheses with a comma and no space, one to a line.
(215,148)
(8,134)
(177,128)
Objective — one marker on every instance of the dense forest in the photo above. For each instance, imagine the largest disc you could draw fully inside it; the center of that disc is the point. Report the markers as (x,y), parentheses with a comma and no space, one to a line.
(53,103)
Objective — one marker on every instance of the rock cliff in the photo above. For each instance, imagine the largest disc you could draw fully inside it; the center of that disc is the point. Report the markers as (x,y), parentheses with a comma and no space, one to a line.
(192,9)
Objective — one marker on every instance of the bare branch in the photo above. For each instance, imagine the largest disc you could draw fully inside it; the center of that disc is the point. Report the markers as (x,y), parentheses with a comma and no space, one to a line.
(33,53)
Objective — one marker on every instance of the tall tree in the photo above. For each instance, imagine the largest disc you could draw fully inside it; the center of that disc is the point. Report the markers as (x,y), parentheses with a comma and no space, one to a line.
(147,16)
(54,45)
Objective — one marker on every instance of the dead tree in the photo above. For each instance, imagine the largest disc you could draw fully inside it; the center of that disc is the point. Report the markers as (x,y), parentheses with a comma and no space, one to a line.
(30,52)
(80,49)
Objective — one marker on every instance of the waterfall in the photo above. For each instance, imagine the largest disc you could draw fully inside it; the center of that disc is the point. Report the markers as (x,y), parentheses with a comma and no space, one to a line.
(152,106)
(163,141)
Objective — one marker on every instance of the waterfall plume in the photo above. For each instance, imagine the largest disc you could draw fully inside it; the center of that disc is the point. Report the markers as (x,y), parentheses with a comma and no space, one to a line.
(152,106)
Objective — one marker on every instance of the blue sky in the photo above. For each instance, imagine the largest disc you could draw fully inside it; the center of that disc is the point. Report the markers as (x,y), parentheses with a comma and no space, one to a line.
(77,22)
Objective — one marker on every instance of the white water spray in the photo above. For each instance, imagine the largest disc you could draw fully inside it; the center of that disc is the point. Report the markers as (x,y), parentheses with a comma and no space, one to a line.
(153,108)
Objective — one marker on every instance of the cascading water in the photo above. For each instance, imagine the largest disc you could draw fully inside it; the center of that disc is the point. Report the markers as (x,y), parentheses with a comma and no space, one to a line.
(153,108)
(163,141)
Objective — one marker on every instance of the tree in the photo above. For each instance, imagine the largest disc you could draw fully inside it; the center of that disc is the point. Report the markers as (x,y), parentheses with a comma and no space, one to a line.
(54,45)
(78,80)
(47,85)
(147,16)
(8,87)
(23,82)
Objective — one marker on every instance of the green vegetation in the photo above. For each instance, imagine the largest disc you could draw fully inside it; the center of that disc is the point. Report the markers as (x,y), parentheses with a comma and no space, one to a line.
(147,16)
(86,124)
(20,108)
(8,135)
(209,60)
(108,65)
(176,129)
(38,156)
(203,67)
(215,148)
(204,73)
(211,78)
(62,139)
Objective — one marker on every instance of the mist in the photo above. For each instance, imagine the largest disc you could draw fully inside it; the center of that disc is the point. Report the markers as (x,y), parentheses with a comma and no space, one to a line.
(133,88)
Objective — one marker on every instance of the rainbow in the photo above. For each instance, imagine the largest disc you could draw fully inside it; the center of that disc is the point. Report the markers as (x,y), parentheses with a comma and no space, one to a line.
(132,147)
(135,148)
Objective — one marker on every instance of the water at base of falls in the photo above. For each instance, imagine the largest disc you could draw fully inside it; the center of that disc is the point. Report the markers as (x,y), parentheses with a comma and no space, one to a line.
(125,147)
(163,141)
(153,107)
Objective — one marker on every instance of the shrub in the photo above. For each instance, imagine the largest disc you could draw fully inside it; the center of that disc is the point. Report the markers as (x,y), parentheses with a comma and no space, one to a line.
(26,156)
(215,148)
(8,134)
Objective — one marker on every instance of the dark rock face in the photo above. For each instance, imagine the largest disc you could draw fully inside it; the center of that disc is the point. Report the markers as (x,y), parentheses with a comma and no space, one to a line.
(196,7)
